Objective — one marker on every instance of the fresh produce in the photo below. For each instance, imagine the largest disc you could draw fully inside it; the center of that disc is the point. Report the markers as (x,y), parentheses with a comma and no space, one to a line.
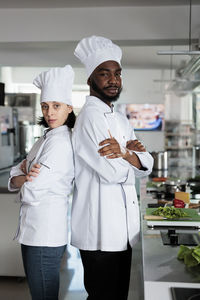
(159,179)
(169,212)
(183,196)
(191,256)
(178,203)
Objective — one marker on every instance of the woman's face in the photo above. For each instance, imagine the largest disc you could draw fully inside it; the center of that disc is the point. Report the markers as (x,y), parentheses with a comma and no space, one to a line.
(55,113)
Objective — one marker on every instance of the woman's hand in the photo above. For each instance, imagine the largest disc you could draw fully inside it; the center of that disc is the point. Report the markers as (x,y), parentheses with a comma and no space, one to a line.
(18,181)
(34,172)
(135,145)
(112,149)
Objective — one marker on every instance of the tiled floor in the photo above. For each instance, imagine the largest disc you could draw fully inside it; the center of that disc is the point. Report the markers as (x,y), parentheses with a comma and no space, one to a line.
(71,287)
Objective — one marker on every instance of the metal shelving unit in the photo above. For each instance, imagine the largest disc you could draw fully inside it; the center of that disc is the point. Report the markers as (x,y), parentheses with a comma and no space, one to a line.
(179,138)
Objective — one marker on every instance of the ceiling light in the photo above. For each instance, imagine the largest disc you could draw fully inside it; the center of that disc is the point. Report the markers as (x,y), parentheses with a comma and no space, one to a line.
(179,52)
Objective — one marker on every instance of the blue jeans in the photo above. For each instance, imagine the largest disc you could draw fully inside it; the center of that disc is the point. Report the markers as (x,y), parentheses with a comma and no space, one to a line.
(42,267)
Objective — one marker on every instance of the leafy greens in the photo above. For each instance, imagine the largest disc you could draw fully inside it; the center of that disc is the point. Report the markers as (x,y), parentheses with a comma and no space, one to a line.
(191,256)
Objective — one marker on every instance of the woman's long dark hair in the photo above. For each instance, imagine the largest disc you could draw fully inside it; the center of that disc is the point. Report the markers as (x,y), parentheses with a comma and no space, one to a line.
(69,122)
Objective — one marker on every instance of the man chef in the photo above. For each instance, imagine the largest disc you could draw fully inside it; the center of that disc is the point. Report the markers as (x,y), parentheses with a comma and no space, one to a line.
(105,214)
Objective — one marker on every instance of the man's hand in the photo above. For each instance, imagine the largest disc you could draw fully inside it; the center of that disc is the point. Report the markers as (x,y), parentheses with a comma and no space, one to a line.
(35,170)
(135,145)
(23,166)
(111,150)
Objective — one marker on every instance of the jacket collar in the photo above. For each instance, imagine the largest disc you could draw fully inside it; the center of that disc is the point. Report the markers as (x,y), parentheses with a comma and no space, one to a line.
(98,103)
(49,132)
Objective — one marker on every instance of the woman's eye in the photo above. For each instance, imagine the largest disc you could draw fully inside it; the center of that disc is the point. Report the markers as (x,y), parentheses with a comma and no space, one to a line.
(44,107)
(56,106)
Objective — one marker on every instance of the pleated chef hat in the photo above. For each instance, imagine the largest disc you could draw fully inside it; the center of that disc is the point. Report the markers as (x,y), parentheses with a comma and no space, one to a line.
(56,84)
(93,51)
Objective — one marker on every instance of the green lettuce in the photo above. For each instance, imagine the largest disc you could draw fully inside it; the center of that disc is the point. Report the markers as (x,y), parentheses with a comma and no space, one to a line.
(190,256)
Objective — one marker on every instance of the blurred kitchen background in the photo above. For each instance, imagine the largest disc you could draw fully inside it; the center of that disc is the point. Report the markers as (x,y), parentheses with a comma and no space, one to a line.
(36,35)
(161,93)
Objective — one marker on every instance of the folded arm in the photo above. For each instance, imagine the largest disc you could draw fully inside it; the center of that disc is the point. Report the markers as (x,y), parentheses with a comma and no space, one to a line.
(113,149)
(17,177)
(56,161)
(134,153)
(86,141)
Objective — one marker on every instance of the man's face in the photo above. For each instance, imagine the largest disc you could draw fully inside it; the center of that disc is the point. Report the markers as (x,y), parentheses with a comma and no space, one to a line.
(105,81)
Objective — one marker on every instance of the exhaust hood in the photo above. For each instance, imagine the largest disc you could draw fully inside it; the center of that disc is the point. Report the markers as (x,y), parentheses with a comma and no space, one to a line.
(187,75)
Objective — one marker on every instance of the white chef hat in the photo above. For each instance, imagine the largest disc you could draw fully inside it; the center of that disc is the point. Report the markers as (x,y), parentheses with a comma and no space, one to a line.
(56,84)
(93,51)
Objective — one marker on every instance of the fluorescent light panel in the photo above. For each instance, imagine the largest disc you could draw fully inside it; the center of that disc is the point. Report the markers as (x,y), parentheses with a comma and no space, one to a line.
(178,52)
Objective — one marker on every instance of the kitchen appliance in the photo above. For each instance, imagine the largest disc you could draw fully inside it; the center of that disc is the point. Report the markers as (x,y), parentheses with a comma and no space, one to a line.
(6,137)
(160,160)
(166,190)
(28,135)
(28,105)
(180,293)
(2,93)
(196,155)
(15,126)
(27,108)
(172,186)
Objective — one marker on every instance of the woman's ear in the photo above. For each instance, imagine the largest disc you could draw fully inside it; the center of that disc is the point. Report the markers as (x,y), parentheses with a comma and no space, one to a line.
(70,108)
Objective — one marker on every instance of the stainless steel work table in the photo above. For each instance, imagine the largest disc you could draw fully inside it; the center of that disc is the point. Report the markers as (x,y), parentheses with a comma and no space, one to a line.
(161,268)
(4,175)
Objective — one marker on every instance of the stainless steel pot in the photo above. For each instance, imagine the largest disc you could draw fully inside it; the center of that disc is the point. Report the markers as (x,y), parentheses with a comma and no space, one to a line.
(28,134)
(160,160)
(196,154)
(172,186)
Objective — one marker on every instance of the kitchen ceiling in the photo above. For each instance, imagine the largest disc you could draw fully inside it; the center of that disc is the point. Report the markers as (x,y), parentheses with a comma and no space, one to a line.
(137,53)
(89,3)
(57,53)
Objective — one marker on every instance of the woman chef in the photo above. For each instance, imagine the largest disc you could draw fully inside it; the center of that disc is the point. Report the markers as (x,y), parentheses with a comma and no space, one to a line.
(44,192)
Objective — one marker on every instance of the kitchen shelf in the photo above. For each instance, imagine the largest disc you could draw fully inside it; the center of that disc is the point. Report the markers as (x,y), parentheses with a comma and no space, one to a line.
(179,140)
(177,148)
(179,134)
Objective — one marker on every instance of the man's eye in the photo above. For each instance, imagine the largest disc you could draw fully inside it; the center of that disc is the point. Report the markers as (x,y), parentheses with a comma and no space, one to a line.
(103,74)
(118,75)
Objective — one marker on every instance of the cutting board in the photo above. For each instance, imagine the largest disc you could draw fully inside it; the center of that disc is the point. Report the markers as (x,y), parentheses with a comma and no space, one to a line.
(194,222)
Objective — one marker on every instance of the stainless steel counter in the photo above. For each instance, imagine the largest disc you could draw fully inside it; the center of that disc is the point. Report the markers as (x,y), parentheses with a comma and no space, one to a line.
(161,268)
(10,252)
(4,175)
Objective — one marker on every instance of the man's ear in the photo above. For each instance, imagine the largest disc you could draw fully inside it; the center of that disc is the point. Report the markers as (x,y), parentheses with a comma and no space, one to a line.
(89,81)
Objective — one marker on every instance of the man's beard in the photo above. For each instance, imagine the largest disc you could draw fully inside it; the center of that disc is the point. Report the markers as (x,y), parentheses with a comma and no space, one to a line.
(102,95)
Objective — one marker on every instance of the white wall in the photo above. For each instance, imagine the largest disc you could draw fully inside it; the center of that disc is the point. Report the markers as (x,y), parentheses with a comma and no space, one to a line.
(27,74)
(139,87)
(179,108)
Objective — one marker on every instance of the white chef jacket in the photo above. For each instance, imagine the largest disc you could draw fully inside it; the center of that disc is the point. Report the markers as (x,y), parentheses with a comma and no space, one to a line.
(105,214)
(43,213)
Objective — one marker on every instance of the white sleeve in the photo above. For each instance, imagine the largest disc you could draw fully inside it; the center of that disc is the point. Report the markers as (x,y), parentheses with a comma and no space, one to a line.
(15,171)
(86,139)
(145,158)
(56,159)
